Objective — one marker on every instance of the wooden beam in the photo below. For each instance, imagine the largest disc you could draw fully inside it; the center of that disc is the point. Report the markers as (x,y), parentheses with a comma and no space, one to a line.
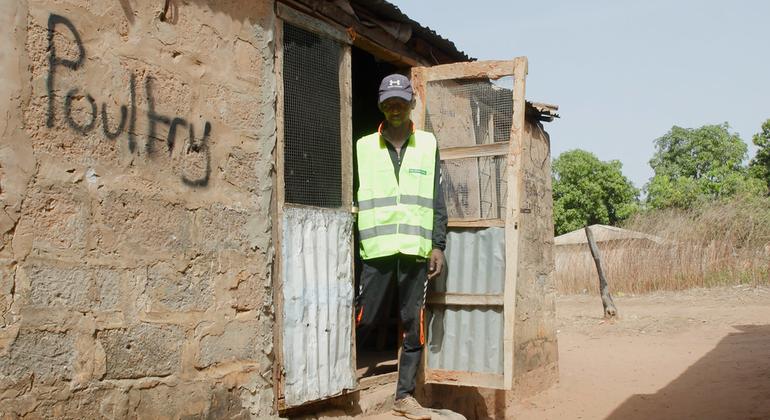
(384,53)
(374,40)
(377,381)
(464,299)
(476,223)
(311,24)
(513,201)
(346,151)
(418,119)
(472,379)
(480,150)
(277,221)
(346,126)
(490,69)
(308,409)
(418,85)
(426,49)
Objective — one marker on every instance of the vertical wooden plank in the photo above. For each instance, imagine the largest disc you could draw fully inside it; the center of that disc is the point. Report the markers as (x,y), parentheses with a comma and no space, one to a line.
(418,119)
(346,130)
(346,126)
(515,190)
(418,86)
(277,212)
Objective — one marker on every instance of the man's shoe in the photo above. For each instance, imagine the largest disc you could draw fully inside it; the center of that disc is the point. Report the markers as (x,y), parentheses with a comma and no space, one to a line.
(411,409)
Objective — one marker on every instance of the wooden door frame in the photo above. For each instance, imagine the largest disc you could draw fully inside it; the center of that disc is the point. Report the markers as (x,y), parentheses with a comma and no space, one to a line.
(518,68)
(285,14)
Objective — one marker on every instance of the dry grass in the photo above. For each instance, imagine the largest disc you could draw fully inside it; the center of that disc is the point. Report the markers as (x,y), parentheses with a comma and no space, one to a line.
(721,243)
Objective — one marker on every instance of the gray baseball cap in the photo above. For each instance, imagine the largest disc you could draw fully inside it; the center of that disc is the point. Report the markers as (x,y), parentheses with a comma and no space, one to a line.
(395,86)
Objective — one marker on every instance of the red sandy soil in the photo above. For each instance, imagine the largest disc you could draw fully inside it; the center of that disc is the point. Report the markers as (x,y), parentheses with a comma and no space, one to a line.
(698,354)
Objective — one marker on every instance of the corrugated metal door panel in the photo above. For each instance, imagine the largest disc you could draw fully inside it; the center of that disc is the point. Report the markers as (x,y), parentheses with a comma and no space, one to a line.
(467,337)
(317,304)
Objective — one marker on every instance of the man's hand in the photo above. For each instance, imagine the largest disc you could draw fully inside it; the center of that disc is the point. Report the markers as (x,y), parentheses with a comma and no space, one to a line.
(436,264)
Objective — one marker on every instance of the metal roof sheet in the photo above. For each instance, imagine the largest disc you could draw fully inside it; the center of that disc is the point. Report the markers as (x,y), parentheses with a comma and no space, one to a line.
(389,11)
(603,233)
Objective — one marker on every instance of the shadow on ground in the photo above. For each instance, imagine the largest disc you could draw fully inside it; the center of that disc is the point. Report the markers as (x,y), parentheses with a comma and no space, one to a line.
(732,381)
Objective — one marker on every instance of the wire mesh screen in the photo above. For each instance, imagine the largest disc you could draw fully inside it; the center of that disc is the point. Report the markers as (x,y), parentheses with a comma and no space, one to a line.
(463,113)
(475,188)
(312,149)
(469,112)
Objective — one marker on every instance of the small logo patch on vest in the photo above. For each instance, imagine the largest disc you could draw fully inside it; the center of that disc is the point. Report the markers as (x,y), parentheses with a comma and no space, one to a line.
(418,171)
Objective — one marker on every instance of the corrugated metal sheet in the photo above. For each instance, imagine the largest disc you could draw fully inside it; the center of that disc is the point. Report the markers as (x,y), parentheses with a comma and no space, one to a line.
(603,233)
(388,11)
(469,338)
(317,304)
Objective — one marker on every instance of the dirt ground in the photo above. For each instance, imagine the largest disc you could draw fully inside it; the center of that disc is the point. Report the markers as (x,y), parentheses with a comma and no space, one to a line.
(699,354)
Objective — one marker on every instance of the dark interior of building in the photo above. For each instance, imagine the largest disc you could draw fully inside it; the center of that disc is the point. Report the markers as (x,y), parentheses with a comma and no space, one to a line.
(377,353)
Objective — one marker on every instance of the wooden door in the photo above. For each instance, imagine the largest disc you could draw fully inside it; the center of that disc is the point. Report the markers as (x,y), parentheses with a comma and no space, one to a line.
(476,111)
(313,224)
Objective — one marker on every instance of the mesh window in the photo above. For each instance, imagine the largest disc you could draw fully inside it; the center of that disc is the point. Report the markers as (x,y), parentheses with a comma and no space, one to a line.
(312,150)
(468,113)
(475,188)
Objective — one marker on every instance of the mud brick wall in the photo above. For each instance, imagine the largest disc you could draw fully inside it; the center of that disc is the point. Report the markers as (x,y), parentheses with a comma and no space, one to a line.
(535,346)
(135,192)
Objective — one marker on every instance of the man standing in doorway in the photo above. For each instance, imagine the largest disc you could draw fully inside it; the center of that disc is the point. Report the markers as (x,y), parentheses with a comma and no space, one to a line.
(402,222)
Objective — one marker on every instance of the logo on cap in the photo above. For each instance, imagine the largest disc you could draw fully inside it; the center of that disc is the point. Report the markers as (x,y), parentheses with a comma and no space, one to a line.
(395,86)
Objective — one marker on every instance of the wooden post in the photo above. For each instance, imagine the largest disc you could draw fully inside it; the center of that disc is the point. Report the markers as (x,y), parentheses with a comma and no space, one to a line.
(515,185)
(609,306)
(276,214)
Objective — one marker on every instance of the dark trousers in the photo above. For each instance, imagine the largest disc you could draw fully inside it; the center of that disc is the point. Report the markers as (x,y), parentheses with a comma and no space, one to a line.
(410,276)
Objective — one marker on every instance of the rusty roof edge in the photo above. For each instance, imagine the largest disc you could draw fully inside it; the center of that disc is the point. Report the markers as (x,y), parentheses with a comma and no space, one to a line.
(387,11)
(543,111)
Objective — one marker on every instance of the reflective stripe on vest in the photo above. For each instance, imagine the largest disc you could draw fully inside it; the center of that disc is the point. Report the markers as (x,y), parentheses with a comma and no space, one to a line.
(393,229)
(396,216)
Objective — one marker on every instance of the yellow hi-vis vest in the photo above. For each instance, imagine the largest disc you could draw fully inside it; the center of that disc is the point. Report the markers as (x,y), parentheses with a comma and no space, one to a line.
(396,216)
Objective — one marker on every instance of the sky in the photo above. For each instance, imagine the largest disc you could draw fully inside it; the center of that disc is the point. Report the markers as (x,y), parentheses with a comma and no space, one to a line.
(623,72)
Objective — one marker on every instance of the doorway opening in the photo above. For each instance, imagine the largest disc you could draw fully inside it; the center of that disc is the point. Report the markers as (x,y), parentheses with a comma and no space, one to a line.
(376,354)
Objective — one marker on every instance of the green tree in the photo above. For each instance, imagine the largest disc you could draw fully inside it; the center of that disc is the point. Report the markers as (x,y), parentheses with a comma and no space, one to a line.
(760,164)
(587,191)
(697,164)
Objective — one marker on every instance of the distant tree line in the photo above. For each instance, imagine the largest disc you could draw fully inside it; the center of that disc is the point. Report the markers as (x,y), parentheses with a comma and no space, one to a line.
(691,168)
